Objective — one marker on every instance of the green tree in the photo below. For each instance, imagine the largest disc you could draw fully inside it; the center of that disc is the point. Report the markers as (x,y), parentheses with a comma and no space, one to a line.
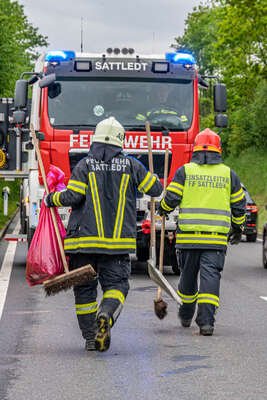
(199,36)
(229,39)
(18,43)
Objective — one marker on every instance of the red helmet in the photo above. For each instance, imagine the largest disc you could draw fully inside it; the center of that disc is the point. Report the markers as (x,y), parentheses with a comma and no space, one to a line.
(207,140)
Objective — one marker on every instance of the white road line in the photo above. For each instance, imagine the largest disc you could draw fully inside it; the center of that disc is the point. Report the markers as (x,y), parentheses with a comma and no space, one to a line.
(6,269)
(259,240)
(263,298)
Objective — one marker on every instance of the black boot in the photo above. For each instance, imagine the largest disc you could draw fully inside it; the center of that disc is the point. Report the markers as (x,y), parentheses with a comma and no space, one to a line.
(185,322)
(103,336)
(90,344)
(206,330)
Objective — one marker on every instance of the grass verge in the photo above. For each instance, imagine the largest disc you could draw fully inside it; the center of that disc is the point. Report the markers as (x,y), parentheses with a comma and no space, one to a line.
(12,201)
(251,167)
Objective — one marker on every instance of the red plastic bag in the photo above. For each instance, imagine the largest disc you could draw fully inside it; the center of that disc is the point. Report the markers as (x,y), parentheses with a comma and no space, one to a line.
(43,258)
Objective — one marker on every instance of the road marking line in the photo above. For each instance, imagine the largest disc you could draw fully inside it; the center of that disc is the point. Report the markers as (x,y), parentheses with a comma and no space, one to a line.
(6,269)
(263,298)
(259,240)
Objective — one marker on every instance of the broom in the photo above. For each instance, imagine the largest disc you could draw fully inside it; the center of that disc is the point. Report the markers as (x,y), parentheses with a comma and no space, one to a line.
(69,278)
(160,306)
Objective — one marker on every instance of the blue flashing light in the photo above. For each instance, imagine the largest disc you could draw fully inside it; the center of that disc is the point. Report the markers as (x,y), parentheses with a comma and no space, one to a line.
(180,58)
(59,55)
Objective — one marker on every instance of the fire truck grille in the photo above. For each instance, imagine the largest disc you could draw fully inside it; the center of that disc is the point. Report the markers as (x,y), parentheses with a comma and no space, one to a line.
(158,160)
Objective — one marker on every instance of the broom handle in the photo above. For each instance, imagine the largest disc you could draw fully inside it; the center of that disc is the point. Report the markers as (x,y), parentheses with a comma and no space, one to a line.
(41,165)
(162,232)
(152,200)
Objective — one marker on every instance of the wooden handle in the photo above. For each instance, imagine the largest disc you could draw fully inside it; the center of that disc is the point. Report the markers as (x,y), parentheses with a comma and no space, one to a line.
(41,165)
(152,200)
(162,231)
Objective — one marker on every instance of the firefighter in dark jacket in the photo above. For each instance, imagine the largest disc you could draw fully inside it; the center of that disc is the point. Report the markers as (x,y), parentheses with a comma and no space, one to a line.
(102,227)
(212,211)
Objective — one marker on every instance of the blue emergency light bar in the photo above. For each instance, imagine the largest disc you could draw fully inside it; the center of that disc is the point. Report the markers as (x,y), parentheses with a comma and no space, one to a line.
(60,55)
(180,58)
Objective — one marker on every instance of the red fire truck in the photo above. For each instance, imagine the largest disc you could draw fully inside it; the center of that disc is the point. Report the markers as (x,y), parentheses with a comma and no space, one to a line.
(72,92)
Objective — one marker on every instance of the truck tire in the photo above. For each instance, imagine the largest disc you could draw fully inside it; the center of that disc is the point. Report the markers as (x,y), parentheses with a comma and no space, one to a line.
(252,237)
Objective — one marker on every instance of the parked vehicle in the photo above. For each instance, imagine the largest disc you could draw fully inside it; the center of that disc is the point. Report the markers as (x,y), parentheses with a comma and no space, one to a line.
(251,217)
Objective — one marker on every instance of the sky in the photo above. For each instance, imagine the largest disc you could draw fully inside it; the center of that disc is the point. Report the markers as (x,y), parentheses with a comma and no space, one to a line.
(148,26)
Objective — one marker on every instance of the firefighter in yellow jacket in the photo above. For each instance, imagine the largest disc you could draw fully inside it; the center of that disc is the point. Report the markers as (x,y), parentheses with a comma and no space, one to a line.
(211,212)
(102,227)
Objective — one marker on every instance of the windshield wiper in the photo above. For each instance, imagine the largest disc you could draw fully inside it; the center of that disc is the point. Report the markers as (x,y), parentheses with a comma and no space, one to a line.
(135,128)
(143,128)
(74,126)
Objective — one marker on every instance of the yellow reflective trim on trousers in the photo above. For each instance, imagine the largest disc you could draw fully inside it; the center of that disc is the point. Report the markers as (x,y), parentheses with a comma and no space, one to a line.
(208,298)
(165,206)
(114,294)
(213,296)
(188,299)
(88,308)
(96,203)
(213,302)
(121,206)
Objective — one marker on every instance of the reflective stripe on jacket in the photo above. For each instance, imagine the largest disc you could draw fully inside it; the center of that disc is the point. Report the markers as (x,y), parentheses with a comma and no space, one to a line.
(205,206)
(205,214)
(103,199)
(210,198)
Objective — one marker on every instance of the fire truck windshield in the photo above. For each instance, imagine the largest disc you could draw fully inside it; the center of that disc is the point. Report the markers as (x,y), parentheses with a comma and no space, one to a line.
(167,104)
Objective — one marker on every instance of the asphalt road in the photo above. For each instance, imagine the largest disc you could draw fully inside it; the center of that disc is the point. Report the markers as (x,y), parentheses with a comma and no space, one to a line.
(42,355)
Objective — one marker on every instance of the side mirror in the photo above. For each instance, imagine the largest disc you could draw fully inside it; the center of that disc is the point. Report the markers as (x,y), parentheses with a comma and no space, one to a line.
(21,93)
(221,121)
(47,80)
(220,97)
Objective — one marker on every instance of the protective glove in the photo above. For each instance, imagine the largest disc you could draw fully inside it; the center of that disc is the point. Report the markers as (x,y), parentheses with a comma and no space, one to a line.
(48,200)
(162,212)
(235,236)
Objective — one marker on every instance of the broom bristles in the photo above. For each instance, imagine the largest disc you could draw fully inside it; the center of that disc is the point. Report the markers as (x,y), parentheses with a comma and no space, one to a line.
(160,308)
(67,280)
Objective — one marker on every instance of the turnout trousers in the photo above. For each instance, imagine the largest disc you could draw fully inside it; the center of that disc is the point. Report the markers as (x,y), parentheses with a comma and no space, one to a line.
(113,274)
(207,265)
